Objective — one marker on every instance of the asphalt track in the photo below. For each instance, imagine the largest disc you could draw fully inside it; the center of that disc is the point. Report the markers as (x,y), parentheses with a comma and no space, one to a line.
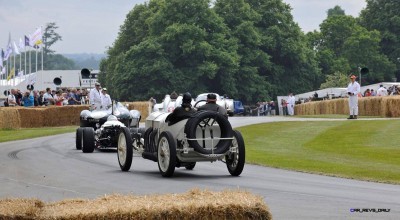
(51,169)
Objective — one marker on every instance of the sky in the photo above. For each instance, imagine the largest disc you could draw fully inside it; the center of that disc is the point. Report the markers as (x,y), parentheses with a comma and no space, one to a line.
(91,26)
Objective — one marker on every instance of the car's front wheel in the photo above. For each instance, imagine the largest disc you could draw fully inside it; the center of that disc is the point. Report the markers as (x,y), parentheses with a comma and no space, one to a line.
(125,150)
(88,140)
(166,154)
(236,157)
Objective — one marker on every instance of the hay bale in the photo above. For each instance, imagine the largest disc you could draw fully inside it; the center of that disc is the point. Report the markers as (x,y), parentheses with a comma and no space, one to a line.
(31,117)
(20,208)
(388,106)
(142,107)
(9,118)
(195,204)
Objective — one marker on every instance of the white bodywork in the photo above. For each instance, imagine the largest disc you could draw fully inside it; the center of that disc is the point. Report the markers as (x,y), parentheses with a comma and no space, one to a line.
(168,104)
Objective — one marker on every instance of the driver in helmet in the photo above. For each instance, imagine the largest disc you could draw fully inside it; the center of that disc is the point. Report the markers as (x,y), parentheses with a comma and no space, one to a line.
(213,106)
(182,112)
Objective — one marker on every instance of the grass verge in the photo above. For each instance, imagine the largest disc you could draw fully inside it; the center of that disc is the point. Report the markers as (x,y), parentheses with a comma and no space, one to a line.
(364,150)
(26,133)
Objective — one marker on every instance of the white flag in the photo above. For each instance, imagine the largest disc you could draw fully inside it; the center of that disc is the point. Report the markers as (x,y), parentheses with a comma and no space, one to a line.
(36,37)
(21,44)
(15,49)
(8,52)
(4,70)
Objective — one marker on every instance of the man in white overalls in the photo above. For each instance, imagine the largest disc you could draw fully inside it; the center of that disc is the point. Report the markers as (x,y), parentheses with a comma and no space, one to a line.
(352,90)
(95,97)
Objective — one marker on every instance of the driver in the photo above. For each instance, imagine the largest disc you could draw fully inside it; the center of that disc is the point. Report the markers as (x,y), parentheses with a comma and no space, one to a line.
(182,112)
(213,106)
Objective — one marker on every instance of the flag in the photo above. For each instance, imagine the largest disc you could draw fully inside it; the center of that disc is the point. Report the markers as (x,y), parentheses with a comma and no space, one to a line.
(36,38)
(12,73)
(27,41)
(1,58)
(21,45)
(8,52)
(15,49)
(8,49)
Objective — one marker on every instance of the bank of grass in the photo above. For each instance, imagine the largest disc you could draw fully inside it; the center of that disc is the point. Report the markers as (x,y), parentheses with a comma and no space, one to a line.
(364,150)
(26,133)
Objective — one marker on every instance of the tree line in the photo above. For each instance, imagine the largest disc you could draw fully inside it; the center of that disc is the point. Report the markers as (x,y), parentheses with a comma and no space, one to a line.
(251,50)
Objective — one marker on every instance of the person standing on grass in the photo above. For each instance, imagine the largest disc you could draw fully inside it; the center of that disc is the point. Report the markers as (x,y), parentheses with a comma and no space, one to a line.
(353,89)
(290,104)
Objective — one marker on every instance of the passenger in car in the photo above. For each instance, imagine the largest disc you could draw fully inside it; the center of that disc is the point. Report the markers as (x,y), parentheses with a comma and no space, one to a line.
(213,106)
(182,112)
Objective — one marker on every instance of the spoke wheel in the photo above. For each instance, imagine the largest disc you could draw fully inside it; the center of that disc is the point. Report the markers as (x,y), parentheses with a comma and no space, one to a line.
(166,154)
(125,150)
(236,157)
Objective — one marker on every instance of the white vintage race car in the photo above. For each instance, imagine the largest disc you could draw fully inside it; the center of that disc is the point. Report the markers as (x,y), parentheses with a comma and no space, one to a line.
(205,136)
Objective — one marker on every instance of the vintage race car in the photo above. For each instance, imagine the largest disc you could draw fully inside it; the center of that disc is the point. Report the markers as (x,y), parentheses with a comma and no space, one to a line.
(100,128)
(206,136)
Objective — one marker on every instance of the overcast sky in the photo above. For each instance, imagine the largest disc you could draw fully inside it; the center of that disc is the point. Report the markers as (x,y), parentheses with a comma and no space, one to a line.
(90,26)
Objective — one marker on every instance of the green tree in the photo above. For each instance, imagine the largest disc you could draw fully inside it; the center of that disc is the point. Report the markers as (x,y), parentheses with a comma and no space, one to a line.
(337,10)
(241,18)
(384,16)
(343,45)
(185,48)
(50,37)
(335,80)
(294,67)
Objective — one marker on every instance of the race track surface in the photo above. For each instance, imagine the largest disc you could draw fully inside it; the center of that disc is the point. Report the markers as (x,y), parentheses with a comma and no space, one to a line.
(51,169)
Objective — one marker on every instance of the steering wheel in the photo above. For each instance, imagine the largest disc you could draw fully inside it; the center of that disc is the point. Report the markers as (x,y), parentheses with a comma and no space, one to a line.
(195,105)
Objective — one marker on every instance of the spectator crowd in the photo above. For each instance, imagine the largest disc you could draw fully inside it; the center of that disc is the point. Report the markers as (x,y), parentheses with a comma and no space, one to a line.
(49,97)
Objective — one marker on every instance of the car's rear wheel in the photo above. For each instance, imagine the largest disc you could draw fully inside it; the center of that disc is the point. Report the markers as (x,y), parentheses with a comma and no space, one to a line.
(88,140)
(166,154)
(78,138)
(125,151)
(236,157)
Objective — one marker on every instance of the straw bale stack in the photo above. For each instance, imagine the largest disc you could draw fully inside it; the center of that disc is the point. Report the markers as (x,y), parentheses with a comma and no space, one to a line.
(31,117)
(9,118)
(388,106)
(195,204)
(20,208)
(142,107)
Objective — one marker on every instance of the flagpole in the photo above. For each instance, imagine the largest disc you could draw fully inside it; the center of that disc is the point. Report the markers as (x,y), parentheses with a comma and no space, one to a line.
(25,61)
(14,72)
(30,61)
(36,60)
(41,29)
